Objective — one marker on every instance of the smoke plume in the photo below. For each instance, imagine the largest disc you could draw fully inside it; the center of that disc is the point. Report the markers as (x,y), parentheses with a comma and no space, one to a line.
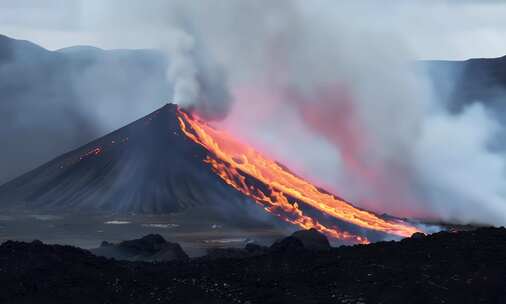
(195,78)
(314,74)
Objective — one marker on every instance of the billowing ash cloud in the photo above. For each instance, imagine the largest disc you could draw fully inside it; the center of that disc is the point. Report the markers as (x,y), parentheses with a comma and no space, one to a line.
(331,89)
(322,85)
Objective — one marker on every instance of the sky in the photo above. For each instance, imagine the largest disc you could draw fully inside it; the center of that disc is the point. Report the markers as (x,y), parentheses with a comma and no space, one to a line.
(433,29)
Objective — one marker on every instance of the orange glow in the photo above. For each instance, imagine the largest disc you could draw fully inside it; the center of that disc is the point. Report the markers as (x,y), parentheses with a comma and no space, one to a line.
(234,161)
(95,151)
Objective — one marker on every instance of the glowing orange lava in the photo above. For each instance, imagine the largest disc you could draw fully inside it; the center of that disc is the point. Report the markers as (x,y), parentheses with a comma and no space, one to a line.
(233,161)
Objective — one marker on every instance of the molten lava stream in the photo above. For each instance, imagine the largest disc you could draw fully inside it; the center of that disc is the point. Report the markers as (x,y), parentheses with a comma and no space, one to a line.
(277,203)
(233,159)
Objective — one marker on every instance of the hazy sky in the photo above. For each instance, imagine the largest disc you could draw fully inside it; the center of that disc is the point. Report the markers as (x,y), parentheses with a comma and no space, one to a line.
(433,29)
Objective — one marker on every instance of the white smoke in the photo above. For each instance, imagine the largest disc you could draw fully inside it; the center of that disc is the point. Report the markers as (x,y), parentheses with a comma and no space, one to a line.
(182,72)
(462,179)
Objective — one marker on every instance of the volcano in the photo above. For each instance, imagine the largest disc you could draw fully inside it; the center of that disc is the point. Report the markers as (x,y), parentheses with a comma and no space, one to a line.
(148,166)
(171,161)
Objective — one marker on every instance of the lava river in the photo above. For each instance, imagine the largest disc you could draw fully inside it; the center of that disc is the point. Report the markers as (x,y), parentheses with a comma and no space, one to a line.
(235,162)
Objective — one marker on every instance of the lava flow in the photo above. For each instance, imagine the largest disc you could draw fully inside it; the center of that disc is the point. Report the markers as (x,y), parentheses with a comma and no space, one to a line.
(234,162)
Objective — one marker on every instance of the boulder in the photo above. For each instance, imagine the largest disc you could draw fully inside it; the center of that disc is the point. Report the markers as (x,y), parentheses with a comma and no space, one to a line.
(302,240)
(152,247)
(312,239)
(288,244)
(418,235)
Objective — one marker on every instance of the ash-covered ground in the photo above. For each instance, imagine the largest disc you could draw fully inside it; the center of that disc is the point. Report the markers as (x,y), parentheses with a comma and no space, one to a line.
(446,267)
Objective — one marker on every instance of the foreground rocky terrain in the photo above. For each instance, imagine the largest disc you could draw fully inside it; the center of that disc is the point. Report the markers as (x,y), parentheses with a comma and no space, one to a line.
(446,267)
(151,248)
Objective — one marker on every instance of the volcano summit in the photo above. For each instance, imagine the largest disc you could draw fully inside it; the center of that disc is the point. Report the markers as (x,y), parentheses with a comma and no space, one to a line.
(170,161)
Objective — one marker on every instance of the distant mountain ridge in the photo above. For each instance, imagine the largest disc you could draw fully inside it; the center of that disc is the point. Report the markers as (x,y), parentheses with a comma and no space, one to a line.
(54,101)
(461,83)
(67,95)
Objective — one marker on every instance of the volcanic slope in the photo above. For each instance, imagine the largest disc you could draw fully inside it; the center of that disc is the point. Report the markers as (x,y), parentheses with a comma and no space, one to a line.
(169,161)
(148,167)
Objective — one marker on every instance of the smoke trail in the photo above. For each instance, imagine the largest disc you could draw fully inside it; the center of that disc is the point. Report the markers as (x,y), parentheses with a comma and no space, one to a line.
(198,82)
(182,72)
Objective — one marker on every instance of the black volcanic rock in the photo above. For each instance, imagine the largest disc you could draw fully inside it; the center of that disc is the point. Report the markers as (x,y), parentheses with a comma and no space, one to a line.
(302,240)
(227,253)
(249,250)
(461,83)
(418,235)
(150,244)
(36,273)
(289,244)
(461,267)
(312,239)
(152,247)
(106,244)
(255,248)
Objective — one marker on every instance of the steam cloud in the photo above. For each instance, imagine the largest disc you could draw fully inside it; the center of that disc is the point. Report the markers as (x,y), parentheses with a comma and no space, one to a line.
(333,91)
